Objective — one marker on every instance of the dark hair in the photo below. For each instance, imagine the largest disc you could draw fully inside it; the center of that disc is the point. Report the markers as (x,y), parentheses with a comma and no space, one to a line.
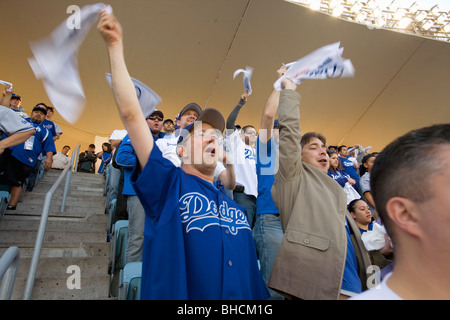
(362,168)
(66,147)
(108,146)
(351,206)
(339,166)
(307,137)
(340,147)
(92,145)
(406,166)
(42,104)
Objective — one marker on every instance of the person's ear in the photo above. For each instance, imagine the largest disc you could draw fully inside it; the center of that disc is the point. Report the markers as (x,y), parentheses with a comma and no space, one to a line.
(405,214)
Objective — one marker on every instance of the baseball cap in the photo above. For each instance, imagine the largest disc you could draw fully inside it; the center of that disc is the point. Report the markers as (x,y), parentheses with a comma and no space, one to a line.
(16,96)
(209,115)
(168,120)
(190,106)
(40,108)
(158,112)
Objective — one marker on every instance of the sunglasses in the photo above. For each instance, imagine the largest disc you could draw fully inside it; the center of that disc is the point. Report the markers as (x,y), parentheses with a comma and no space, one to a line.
(154,118)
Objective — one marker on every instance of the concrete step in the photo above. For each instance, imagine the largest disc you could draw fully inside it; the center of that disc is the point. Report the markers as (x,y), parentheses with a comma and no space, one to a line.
(52,239)
(56,288)
(26,210)
(76,237)
(92,223)
(85,250)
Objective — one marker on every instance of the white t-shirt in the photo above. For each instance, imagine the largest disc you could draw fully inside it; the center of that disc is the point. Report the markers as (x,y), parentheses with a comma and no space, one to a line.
(380,292)
(244,162)
(60,161)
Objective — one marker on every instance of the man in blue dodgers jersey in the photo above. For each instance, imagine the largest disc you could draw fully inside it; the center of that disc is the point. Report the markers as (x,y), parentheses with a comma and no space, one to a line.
(22,158)
(197,241)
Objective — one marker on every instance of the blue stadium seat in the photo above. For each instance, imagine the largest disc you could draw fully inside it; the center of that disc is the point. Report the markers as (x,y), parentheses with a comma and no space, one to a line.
(4,200)
(111,210)
(119,240)
(130,281)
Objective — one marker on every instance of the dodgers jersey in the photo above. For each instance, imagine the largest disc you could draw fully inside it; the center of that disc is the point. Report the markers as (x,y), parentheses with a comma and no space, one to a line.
(197,241)
(39,143)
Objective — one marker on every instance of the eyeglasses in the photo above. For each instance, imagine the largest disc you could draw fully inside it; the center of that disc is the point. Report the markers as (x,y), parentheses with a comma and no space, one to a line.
(154,118)
(208,134)
(251,132)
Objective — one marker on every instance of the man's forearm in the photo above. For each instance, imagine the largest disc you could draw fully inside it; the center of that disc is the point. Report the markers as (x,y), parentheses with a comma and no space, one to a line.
(15,139)
(128,105)
(231,120)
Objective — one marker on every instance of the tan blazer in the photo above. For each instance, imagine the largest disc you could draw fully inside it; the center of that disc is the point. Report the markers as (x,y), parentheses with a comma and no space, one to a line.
(310,262)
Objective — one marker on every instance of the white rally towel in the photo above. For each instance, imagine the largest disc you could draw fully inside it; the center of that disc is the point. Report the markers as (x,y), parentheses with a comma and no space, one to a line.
(148,99)
(247,72)
(5,83)
(324,63)
(55,62)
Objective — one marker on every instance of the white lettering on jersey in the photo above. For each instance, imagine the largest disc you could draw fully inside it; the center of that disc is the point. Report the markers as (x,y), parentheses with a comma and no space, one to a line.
(198,212)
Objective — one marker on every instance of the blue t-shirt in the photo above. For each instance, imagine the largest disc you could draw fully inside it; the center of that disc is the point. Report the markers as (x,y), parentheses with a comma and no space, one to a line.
(350,169)
(29,151)
(339,176)
(265,169)
(50,125)
(126,158)
(197,241)
(351,281)
(106,158)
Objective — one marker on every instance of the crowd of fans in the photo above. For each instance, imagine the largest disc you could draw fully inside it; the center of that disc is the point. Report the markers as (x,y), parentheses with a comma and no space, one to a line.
(217,210)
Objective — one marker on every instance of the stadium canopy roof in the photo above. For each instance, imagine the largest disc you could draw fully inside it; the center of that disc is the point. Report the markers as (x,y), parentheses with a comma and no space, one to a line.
(188,50)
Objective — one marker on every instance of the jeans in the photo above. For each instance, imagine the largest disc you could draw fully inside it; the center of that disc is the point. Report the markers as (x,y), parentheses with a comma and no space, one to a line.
(249,204)
(268,235)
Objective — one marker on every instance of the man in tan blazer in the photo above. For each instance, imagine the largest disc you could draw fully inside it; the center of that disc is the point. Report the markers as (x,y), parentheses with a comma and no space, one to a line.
(311,260)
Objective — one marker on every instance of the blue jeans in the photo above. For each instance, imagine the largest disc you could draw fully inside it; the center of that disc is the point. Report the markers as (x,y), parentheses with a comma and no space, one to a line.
(249,204)
(268,235)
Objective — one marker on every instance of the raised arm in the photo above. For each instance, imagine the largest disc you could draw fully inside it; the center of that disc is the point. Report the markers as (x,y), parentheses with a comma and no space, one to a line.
(290,134)
(5,98)
(270,110)
(123,89)
(231,120)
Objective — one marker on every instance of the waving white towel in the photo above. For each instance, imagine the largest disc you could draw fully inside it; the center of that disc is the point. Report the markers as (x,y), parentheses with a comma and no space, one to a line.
(324,63)
(55,62)
(148,99)
(247,72)
(5,83)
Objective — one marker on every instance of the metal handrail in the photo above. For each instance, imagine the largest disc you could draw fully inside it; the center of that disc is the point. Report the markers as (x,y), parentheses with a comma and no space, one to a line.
(9,263)
(43,224)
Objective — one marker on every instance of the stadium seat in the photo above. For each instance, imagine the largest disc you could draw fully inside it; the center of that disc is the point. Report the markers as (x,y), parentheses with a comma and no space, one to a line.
(130,281)
(119,239)
(4,200)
